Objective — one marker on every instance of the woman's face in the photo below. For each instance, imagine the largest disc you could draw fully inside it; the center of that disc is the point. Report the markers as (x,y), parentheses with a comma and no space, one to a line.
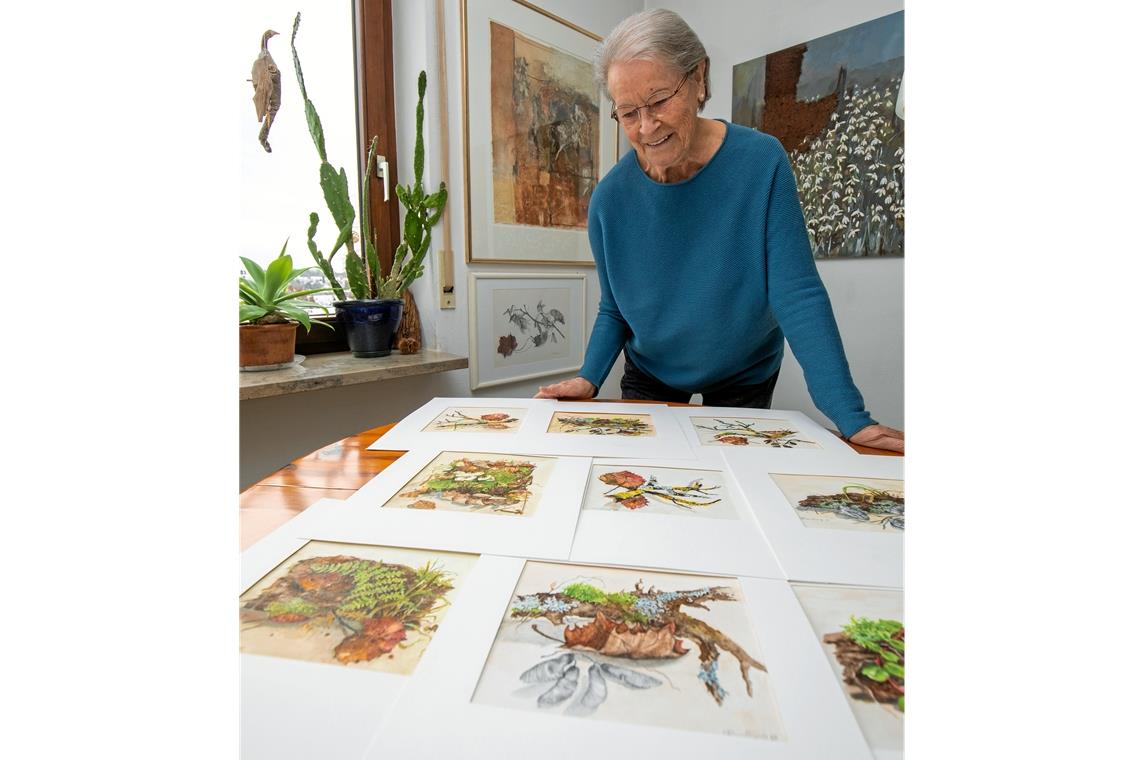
(664,139)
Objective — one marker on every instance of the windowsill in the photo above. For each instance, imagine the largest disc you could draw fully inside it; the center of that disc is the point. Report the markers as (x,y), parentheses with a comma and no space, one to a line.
(337,369)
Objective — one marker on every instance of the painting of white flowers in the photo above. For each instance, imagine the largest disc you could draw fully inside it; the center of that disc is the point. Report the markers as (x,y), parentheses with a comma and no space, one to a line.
(836,105)
(524,326)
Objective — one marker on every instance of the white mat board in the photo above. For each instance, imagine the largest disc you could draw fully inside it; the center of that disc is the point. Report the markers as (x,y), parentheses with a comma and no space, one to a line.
(815,721)
(546,531)
(722,538)
(847,553)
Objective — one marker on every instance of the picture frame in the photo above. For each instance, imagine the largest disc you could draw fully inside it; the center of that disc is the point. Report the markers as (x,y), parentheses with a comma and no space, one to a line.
(532,154)
(524,325)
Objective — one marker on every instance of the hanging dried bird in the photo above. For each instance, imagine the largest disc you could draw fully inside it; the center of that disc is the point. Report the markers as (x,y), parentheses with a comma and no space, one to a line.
(266,89)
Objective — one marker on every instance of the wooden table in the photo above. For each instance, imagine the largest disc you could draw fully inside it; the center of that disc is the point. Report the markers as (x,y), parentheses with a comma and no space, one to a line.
(335,471)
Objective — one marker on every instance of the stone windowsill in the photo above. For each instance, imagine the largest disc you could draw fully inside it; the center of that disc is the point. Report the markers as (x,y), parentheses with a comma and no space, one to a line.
(337,369)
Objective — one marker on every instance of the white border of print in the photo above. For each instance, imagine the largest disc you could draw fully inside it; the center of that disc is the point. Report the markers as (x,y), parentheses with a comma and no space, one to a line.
(822,555)
(831,446)
(815,716)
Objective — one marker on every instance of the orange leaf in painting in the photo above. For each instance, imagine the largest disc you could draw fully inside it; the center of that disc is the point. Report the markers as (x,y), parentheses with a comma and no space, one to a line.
(634,502)
(625,479)
(379,636)
(620,640)
(734,440)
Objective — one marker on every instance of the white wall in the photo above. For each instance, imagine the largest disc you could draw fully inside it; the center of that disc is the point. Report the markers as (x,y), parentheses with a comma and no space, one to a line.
(867,294)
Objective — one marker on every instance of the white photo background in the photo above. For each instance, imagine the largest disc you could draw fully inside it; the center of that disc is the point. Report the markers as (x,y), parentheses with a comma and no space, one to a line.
(525,326)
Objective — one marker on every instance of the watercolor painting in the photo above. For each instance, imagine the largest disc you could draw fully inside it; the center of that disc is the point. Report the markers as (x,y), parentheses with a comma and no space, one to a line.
(469,419)
(861,631)
(372,607)
(825,501)
(631,486)
(836,105)
(529,325)
(635,646)
(497,484)
(750,431)
(600,423)
(545,127)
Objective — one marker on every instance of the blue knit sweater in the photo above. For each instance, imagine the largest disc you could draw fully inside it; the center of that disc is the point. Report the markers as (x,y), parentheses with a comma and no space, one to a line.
(702,279)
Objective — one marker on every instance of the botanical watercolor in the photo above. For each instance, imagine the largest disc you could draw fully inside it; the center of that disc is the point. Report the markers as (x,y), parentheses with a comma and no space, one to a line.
(631,487)
(497,484)
(468,419)
(750,431)
(836,105)
(545,125)
(529,325)
(825,501)
(595,423)
(371,607)
(633,646)
(862,633)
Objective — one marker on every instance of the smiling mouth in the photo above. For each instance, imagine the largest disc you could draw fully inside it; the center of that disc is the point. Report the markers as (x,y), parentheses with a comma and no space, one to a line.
(660,142)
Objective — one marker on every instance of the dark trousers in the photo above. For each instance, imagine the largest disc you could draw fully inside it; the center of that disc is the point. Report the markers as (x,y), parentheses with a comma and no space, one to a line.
(636,384)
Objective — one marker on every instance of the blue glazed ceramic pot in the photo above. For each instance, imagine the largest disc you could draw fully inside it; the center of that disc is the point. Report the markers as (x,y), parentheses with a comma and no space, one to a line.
(370,325)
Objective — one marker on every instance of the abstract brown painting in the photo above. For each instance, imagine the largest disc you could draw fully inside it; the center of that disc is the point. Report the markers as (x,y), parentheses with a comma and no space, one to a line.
(544,132)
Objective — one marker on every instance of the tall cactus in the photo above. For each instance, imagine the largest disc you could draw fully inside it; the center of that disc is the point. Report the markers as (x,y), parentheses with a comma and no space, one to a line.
(365,279)
(423,211)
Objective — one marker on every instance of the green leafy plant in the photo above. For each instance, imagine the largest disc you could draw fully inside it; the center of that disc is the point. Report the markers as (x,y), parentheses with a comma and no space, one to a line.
(423,210)
(265,297)
(873,654)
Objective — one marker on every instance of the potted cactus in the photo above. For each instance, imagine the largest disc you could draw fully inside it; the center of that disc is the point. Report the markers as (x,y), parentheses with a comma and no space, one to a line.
(269,312)
(373,313)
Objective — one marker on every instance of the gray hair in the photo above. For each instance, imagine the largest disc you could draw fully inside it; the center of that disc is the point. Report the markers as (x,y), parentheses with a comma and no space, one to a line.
(654,35)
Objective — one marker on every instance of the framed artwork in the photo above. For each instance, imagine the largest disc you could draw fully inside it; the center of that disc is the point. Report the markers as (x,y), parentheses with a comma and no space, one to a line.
(524,326)
(537,134)
(836,105)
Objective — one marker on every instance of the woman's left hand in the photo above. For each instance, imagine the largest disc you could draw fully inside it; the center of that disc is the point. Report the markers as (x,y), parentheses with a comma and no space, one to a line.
(879,437)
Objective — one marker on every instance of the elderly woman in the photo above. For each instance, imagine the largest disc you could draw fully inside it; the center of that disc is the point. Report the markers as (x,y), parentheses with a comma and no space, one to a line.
(703,257)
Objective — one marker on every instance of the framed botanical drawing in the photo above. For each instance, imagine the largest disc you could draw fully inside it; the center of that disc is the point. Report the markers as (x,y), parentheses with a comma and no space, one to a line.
(524,326)
(537,134)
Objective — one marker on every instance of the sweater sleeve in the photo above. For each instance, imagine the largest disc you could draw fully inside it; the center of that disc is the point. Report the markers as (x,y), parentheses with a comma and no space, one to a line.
(803,309)
(610,329)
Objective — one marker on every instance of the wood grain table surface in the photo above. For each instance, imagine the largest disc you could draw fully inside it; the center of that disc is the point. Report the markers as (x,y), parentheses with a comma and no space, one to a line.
(335,471)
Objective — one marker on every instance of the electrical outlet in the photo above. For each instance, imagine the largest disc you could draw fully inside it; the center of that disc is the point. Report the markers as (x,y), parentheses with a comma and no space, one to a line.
(447,301)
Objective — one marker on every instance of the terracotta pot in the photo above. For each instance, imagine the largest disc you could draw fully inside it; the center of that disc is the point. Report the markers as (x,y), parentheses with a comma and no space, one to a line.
(266,344)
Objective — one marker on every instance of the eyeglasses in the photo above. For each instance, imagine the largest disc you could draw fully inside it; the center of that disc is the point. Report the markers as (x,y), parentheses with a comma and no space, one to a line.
(627,116)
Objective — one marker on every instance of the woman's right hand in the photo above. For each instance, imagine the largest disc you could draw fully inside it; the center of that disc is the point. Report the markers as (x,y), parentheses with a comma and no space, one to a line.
(577,388)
